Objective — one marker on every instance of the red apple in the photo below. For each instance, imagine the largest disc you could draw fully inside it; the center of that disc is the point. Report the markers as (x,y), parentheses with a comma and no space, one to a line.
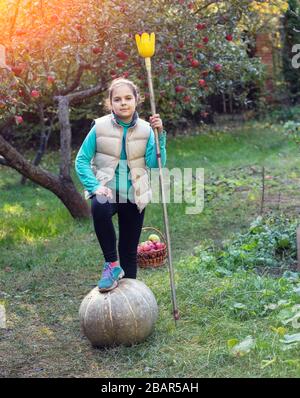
(18,119)
(54,18)
(202,82)
(122,55)
(201,26)
(205,73)
(205,39)
(120,64)
(96,50)
(50,79)
(179,89)
(17,70)
(187,98)
(35,93)
(229,37)
(218,67)
(171,68)
(195,63)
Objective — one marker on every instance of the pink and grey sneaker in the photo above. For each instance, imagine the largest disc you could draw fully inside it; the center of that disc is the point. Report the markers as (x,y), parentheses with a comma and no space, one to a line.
(111,273)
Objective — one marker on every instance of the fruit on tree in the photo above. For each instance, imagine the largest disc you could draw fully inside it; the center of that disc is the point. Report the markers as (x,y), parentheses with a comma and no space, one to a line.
(179,88)
(218,67)
(195,63)
(35,93)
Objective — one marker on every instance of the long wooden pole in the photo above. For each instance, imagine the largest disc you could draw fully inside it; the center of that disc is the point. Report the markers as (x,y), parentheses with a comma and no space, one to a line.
(170,263)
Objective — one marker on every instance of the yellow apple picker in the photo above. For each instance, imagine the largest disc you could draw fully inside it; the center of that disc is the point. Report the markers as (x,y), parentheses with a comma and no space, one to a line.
(146,47)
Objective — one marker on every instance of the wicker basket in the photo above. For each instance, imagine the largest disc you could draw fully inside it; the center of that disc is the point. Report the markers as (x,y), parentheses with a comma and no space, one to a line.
(152,258)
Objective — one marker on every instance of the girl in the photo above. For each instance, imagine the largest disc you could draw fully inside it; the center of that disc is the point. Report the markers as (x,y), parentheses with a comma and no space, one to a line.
(112,164)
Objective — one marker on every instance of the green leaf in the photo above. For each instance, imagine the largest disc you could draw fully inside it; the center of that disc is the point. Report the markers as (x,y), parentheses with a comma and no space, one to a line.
(231,343)
(291,338)
(295,320)
(239,305)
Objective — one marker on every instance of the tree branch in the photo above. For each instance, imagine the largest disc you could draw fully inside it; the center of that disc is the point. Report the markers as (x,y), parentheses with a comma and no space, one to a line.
(15,160)
(206,5)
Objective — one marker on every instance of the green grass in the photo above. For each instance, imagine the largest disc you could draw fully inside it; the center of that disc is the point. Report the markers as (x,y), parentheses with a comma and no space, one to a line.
(49,262)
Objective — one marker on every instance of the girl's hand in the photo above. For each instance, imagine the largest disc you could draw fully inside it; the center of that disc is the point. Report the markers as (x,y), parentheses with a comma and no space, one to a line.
(104,191)
(156,122)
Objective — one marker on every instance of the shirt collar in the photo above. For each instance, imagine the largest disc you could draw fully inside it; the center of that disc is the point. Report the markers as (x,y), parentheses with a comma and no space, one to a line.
(131,124)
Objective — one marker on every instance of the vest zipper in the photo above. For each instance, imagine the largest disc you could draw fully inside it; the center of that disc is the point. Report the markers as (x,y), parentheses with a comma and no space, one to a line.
(129,132)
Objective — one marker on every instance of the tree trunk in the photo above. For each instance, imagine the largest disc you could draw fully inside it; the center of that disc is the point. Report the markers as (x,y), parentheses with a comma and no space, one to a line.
(224,103)
(45,134)
(62,187)
(230,102)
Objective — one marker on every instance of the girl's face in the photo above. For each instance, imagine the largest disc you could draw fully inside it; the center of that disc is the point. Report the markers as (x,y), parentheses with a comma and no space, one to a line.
(123,102)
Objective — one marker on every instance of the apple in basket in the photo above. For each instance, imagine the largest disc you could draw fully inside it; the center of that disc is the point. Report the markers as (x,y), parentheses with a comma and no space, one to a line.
(147,247)
(153,238)
(144,247)
(160,245)
(140,247)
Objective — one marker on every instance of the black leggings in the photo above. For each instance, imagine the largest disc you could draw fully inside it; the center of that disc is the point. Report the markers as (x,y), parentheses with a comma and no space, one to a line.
(130,222)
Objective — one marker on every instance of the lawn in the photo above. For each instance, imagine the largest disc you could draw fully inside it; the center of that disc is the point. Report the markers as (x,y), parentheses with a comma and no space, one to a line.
(49,262)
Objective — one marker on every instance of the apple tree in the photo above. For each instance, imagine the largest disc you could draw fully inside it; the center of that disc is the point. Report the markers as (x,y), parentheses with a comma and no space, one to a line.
(61,55)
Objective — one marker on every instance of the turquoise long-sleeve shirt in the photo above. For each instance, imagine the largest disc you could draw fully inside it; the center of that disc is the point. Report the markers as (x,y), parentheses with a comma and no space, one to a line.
(120,181)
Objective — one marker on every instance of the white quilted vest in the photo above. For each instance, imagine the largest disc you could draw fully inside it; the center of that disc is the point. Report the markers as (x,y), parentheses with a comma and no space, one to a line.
(109,136)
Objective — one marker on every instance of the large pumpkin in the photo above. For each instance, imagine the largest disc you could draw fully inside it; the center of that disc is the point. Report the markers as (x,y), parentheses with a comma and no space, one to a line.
(124,315)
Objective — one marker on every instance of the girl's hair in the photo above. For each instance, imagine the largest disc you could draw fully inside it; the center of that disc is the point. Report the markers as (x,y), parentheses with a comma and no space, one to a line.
(118,82)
